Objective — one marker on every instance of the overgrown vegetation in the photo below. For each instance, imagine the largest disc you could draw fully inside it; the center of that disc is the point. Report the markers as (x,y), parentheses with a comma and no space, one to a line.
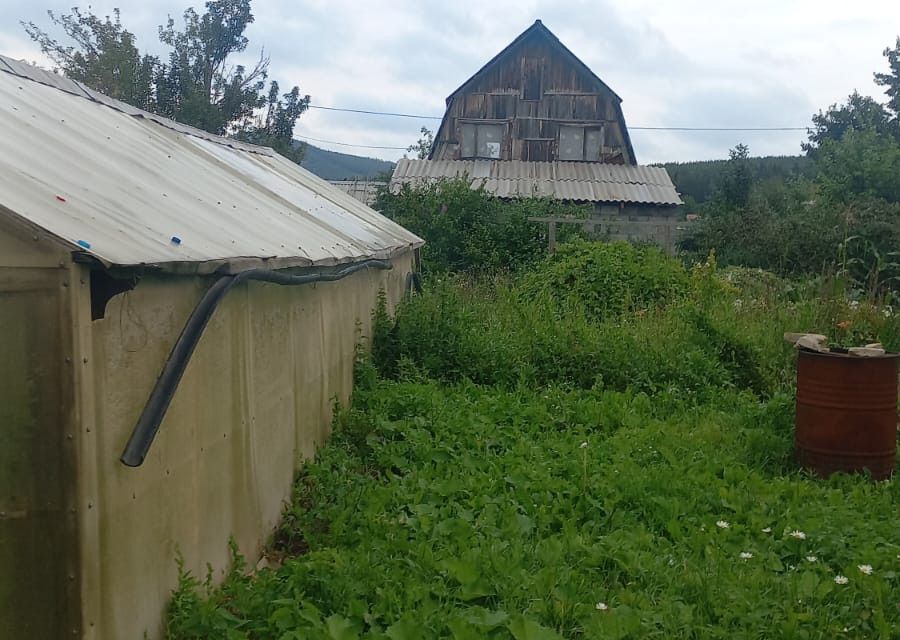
(517,465)
(470,231)
(607,280)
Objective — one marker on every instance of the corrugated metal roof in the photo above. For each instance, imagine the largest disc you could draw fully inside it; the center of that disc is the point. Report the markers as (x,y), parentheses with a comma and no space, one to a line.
(580,181)
(94,171)
(366,191)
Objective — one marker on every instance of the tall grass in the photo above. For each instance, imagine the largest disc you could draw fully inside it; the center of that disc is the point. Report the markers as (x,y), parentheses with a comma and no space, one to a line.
(688,333)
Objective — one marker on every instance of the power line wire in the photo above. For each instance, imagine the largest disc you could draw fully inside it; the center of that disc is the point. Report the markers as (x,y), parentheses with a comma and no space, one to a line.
(375,113)
(717,128)
(347,144)
(630,128)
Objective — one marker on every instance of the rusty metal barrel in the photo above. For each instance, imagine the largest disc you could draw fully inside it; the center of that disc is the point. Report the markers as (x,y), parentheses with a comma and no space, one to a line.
(847,413)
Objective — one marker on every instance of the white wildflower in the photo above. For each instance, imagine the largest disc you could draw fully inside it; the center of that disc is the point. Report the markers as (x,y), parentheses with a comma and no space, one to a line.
(797,534)
(722,524)
(746,555)
(854,304)
(601,606)
(812,559)
(839,579)
(738,304)
(767,530)
(865,568)
(584,445)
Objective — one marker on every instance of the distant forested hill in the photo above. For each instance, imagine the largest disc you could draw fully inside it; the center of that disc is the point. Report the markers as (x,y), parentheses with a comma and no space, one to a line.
(332,165)
(696,181)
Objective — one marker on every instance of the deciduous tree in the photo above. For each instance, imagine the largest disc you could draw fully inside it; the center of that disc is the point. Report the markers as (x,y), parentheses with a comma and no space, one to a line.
(196,83)
(891,81)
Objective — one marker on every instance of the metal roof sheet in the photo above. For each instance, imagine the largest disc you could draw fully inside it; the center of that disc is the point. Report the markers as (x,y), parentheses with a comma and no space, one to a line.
(580,181)
(120,184)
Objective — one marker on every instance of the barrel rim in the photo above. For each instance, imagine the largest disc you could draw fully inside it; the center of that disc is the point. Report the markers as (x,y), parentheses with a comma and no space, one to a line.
(847,356)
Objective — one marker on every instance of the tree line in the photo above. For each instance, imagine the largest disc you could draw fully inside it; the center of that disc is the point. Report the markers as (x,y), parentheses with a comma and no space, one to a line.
(697,181)
(195,83)
(838,211)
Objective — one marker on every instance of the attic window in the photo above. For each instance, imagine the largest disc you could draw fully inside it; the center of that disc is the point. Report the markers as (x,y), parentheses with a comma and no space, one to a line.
(580,143)
(481,140)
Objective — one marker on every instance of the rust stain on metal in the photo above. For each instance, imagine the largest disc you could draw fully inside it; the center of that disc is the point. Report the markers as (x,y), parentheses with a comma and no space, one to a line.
(847,413)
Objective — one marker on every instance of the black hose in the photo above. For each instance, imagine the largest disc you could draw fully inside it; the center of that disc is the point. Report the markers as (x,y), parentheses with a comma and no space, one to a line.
(158,403)
(413,283)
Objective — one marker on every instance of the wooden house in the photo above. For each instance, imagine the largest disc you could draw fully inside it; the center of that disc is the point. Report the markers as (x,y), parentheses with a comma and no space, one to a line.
(535,121)
(534,101)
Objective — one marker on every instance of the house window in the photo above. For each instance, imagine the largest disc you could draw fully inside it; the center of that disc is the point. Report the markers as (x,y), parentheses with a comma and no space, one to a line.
(580,143)
(481,140)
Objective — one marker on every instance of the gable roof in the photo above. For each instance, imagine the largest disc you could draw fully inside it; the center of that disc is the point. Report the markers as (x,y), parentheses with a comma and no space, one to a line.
(537,29)
(133,188)
(575,181)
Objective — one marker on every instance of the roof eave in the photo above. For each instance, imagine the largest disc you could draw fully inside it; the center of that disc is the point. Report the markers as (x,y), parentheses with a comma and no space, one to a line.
(246,263)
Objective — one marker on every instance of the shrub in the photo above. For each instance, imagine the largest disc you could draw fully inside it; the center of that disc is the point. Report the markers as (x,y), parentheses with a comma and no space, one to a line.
(607,279)
(468,230)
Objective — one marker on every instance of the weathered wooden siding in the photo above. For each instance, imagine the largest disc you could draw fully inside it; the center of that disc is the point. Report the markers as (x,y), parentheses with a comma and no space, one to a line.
(566,95)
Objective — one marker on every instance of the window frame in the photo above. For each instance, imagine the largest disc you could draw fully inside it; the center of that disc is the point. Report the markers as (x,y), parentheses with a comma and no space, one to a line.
(503,126)
(586,129)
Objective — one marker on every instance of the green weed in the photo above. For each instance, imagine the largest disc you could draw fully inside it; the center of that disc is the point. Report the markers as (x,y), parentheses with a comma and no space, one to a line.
(519,465)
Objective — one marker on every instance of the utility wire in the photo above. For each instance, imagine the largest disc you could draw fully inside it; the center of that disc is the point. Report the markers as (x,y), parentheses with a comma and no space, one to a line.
(630,128)
(346,144)
(374,113)
(422,117)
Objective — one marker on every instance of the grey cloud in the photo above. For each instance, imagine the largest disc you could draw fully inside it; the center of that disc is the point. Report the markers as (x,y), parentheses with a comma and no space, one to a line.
(407,55)
(747,105)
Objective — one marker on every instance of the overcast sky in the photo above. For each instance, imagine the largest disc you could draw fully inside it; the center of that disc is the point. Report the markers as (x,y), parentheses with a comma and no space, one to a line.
(690,63)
